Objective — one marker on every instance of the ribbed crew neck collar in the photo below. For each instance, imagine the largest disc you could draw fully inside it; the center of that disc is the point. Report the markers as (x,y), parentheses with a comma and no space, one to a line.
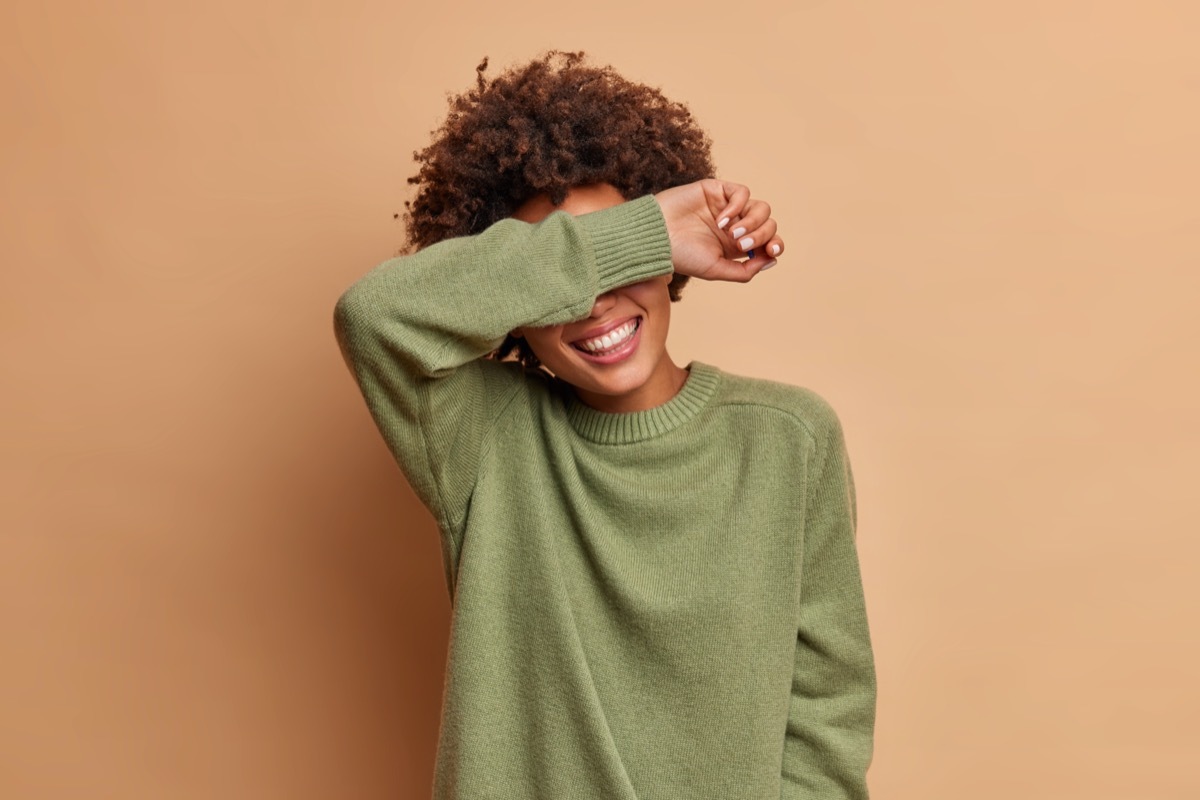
(634,426)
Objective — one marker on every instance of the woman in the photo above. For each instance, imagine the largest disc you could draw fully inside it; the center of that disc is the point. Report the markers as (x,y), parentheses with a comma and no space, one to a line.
(652,567)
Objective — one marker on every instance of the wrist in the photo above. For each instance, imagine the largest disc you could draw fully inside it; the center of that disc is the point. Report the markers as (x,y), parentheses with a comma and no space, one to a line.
(630,241)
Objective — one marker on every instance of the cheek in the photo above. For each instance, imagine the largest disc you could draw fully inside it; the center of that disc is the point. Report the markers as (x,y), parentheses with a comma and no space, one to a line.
(657,301)
(544,342)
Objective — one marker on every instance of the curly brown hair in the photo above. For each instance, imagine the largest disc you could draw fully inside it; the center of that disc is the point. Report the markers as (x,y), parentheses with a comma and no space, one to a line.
(548,126)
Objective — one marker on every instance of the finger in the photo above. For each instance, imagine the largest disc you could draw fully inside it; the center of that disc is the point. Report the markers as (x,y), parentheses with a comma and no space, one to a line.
(749,225)
(766,256)
(753,216)
(736,271)
(736,196)
(774,247)
(756,238)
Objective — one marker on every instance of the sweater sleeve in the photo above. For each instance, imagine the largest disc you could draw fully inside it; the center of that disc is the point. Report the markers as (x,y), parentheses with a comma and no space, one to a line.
(414,330)
(830,729)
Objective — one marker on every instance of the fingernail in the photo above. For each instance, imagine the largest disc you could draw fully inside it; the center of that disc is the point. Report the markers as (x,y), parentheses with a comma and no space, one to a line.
(768,265)
(775,249)
(746,243)
(739,231)
(724,221)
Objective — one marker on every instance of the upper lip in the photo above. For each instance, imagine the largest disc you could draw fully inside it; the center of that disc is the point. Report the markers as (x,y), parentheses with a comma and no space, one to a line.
(603,329)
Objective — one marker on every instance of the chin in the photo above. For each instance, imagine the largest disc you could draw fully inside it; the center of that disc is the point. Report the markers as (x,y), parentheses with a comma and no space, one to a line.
(611,379)
(619,388)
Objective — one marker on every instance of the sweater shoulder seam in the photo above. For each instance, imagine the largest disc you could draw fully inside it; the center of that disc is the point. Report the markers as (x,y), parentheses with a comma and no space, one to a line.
(770,407)
(485,446)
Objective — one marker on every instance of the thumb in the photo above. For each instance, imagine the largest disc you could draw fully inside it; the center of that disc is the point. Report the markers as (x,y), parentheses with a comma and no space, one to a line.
(724,269)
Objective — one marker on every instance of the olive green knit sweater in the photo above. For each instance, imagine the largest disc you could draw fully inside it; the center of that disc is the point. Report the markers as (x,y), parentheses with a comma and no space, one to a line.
(657,605)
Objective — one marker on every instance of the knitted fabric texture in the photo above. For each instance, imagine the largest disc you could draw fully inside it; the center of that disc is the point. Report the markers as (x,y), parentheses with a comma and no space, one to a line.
(645,606)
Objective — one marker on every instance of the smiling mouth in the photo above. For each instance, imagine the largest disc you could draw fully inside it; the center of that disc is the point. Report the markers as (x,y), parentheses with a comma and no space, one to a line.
(610,342)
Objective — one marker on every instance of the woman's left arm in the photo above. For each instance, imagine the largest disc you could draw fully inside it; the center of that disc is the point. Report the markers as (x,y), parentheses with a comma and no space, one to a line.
(830,730)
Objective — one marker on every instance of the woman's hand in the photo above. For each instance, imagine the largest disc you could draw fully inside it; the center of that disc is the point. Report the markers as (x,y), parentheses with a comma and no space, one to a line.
(704,244)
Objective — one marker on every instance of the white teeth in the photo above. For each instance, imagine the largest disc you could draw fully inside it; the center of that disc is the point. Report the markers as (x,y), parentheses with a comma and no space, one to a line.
(609,340)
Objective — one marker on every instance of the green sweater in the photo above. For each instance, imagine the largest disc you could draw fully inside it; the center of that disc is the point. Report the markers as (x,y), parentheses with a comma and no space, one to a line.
(656,605)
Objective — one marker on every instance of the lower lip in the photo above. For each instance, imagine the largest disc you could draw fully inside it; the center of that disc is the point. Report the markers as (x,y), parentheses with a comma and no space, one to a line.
(623,353)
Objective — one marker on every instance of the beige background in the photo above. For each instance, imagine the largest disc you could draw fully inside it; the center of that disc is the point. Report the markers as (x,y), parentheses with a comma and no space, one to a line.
(214,582)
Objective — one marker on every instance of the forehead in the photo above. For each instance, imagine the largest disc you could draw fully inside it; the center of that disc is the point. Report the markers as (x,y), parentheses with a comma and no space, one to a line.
(579,200)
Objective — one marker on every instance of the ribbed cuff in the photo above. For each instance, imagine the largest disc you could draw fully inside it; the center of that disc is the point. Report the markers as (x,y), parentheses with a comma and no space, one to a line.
(630,242)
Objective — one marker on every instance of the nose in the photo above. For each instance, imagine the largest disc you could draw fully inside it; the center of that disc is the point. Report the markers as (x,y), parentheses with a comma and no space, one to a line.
(603,303)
